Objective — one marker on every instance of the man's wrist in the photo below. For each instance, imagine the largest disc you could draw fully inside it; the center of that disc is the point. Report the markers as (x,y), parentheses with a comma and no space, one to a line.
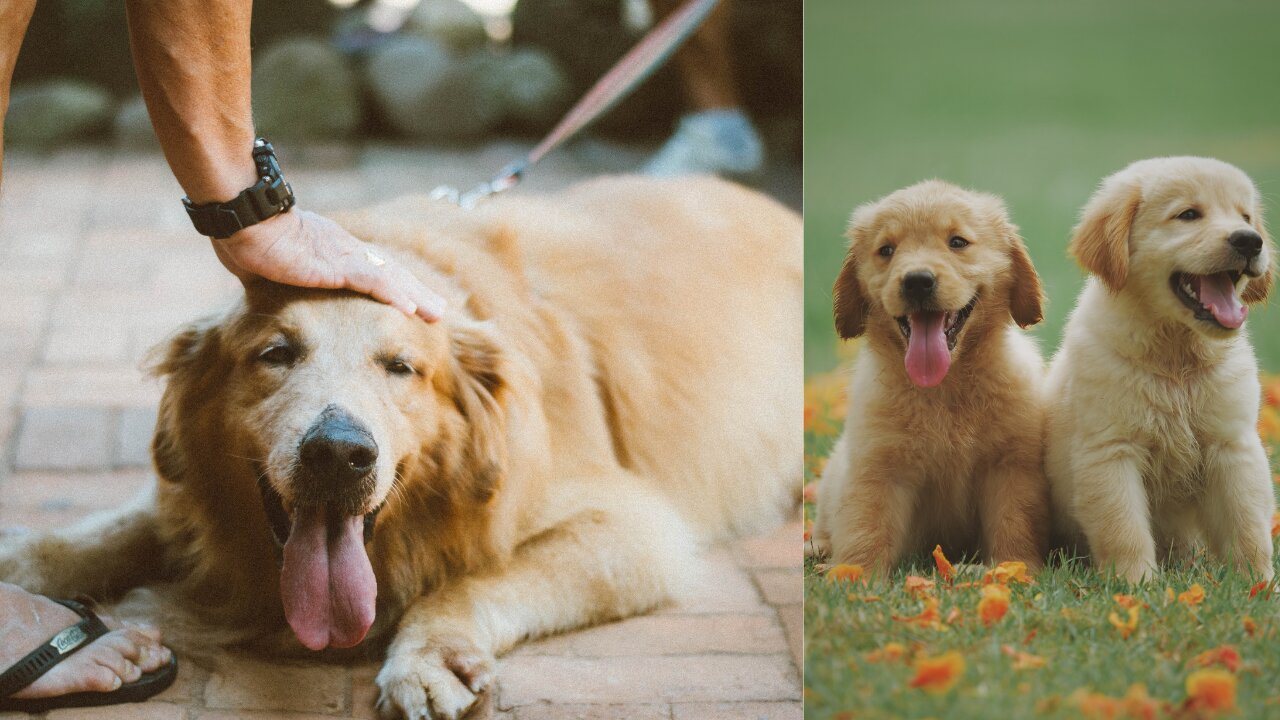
(268,196)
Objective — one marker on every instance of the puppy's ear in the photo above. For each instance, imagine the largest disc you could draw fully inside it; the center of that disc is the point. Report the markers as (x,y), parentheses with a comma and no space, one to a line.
(1257,289)
(1101,240)
(849,300)
(189,409)
(194,344)
(1026,298)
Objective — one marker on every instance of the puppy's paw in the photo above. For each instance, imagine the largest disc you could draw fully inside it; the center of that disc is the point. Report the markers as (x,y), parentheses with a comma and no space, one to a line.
(445,682)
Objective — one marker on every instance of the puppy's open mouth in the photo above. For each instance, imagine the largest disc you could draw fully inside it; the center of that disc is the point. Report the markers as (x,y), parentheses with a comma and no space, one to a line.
(931,337)
(1211,298)
(327,583)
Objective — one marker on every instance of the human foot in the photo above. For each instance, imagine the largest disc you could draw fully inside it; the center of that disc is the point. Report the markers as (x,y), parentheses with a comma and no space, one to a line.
(121,656)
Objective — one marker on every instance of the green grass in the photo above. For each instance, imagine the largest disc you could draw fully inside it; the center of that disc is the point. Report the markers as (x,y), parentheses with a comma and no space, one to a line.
(1035,101)
(1082,648)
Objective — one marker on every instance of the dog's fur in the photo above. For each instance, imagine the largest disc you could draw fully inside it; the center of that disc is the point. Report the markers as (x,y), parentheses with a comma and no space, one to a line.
(617,379)
(1152,439)
(958,464)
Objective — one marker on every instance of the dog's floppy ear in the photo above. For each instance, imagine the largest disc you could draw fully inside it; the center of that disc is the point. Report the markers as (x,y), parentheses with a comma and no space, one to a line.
(1026,298)
(479,386)
(850,302)
(1258,288)
(187,360)
(1100,241)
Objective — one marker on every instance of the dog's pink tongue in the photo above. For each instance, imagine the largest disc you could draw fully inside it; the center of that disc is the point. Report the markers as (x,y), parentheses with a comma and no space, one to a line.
(1219,295)
(928,357)
(327,583)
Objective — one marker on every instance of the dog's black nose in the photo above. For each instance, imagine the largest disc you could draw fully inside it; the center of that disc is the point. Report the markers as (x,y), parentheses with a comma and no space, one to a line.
(918,284)
(1246,242)
(338,448)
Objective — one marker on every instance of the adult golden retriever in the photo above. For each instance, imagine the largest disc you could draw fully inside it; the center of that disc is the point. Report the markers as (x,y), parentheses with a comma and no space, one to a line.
(618,378)
(1152,440)
(943,439)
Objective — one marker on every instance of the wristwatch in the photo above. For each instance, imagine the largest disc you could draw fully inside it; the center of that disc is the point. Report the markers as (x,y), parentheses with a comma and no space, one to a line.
(268,197)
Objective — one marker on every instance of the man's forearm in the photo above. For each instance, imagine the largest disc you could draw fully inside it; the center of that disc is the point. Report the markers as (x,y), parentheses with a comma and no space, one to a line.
(193,63)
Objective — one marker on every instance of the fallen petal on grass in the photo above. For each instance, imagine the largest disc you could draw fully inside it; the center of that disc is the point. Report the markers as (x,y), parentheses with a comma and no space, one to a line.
(1023,660)
(1211,689)
(891,652)
(1007,572)
(938,674)
(994,603)
(1225,655)
(945,568)
(844,573)
(917,586)
(1250,626)
(1192,596)
(1126,627)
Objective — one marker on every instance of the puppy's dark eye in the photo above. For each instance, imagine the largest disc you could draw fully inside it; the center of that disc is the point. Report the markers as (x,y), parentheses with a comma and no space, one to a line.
(399,366)
(1190,214)
(1246,217)
(278,355)
(885,251)
(956,242)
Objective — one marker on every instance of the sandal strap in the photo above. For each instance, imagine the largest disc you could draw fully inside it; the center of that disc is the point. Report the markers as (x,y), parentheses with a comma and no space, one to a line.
(55,650)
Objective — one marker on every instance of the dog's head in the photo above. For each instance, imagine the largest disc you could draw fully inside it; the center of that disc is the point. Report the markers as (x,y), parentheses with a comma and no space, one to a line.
(1182,235)
(323,402)
(929,267)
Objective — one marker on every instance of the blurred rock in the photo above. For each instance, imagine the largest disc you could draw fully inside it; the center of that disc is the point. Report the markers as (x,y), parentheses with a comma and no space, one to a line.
(132,126)
(424,91)
(303,88)
(450,22)
(48,113)
(535,89)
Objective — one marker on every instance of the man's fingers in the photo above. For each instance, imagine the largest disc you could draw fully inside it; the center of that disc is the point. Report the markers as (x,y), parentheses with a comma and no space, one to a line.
(395,286)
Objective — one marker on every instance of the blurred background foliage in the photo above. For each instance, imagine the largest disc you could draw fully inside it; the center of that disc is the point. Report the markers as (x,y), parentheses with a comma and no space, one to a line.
(434,71)
(1034,101)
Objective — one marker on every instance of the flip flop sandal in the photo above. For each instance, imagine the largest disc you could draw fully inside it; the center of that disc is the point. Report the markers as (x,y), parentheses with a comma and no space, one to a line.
(59,648)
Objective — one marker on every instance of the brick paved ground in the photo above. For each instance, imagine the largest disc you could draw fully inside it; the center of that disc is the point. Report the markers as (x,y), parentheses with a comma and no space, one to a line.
(98,263)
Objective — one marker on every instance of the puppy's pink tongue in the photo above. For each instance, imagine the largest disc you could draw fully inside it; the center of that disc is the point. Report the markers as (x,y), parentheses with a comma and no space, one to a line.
(1219,295)
(928,357)
(326,583)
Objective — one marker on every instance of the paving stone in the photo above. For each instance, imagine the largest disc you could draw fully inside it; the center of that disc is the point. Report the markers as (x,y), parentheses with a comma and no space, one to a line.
(134,711)
(593,712)
(782,548)
(792,617)
(65,438)
(86,344)
(781,587)
(250,684)
(133,437)
(668,635)
(738,711)
(607,681)
(51,500)
(99,387)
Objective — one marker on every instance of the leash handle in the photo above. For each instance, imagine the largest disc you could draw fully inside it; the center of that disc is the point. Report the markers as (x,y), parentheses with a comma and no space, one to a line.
(651,53)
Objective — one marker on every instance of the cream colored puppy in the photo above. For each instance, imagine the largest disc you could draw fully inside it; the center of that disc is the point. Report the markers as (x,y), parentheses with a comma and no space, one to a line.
(1152,441)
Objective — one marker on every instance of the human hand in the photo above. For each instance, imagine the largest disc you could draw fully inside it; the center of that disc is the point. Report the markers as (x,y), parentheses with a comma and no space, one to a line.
(304,249)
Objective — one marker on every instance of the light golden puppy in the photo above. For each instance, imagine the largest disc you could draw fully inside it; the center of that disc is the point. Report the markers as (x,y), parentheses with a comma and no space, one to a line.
(942,442)
(1152,440)
(617,379)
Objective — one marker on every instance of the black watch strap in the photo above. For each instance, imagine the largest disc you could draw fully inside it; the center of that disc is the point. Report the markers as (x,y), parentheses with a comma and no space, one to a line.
(268,197)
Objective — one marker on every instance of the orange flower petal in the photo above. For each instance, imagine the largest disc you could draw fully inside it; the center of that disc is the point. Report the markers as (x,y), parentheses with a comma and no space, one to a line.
(1250,626)
(891,652)
(1225,655)
(1139,705)
(994,603)
(917,586)
(1257,588)
(1126,627)
(1125,601)
(1023,660)
(1192,596)
(945,568)
(938,674)
(1211,689)
(844,573)
(1007,572)
(928,617)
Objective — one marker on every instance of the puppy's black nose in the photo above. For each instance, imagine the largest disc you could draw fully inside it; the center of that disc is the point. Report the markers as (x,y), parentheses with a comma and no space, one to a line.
(1246,242)
(337,448)
(918,284)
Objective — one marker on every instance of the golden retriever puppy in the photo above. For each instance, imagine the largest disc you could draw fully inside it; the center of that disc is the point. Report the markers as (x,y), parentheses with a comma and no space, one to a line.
(942,444)
(1152,440)
(617,379)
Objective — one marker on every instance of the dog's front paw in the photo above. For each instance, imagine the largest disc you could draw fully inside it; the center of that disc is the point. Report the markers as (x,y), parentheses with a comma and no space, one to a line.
(444,682)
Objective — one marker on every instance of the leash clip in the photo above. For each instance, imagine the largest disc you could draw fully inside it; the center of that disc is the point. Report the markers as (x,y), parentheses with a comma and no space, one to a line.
(507,178)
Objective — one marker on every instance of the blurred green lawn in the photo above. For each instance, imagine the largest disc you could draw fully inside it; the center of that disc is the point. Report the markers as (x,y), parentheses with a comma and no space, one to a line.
(1035,101)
